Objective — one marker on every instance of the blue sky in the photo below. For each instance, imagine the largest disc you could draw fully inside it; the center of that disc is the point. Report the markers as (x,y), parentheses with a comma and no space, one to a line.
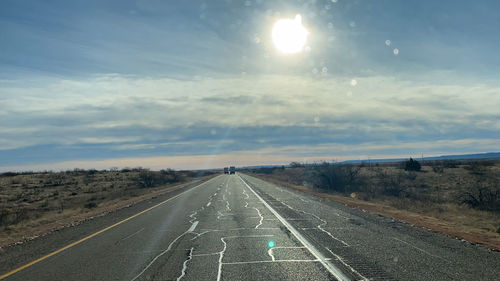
(197,84)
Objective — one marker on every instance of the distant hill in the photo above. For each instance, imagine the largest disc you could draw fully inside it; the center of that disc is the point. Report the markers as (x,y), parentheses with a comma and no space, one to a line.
(477,156)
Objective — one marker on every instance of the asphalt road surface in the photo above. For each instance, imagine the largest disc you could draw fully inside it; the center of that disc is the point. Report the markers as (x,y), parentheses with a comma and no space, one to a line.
(236,227)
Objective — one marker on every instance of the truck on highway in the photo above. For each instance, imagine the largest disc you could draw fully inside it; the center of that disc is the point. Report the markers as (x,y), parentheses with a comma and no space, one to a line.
(226,170)
(232,170)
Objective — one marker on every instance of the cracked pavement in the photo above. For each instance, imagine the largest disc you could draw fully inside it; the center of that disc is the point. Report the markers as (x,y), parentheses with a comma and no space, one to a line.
(236,227)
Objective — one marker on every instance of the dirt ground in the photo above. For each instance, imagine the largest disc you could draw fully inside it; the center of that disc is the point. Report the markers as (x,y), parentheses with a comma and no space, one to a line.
(32,204)
(432,198)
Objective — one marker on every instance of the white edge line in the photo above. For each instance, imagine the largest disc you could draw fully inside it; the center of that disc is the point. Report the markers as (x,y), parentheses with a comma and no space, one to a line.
(336,272)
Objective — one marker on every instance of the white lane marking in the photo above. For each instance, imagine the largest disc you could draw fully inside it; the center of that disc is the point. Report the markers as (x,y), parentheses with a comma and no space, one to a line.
(336,272)
(231,229)
(193,226)
(184,264)
(203,255)
(421,250)
(250,262)
(348,266)
(133,234)
(208,204)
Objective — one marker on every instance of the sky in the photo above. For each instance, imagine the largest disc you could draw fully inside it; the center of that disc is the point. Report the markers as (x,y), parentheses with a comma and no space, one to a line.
(199,84)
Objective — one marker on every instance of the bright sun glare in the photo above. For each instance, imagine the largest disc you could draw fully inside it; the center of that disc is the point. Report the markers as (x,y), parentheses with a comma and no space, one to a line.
(289,35)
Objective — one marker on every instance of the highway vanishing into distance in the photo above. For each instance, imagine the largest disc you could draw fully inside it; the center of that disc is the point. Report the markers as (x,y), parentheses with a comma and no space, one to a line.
(237,227)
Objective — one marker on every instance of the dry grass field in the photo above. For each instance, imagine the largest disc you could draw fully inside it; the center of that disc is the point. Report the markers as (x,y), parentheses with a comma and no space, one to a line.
(32,204)
(459,198)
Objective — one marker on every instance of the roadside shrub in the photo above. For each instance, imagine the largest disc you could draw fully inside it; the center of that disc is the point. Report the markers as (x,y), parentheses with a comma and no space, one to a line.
(450,164)
(171,176)
(411,175)
(146,179)
(266,170)
(334,177)
(391,184)
(438,169)
(476,168)
(296,165)
(395,191)
(8,174)
(90,205)
(411,165)
(482,198)
(11,217)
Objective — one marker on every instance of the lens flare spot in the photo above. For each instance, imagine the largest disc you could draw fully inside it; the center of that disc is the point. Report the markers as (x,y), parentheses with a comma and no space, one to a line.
(270,244)
(396,51)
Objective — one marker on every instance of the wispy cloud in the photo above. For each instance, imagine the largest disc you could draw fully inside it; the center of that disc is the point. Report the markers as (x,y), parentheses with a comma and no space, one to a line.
(117,116)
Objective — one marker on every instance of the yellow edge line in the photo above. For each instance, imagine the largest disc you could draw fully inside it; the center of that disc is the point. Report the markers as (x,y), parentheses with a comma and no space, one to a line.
(91,235)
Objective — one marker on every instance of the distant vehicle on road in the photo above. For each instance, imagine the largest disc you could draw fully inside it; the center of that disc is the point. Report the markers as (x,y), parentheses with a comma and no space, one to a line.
(226,170)
(232,170)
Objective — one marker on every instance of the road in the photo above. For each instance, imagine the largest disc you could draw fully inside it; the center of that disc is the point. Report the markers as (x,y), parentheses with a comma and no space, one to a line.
(237,227)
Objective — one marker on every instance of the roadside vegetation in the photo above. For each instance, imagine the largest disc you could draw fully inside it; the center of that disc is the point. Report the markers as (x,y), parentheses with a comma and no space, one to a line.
(461,196)
(32,203)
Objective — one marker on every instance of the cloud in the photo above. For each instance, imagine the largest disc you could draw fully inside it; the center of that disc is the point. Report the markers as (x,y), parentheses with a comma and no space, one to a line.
(115,116)
(273,156)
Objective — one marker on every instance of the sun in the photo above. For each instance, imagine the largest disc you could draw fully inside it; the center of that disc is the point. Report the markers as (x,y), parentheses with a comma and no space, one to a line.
(289,35)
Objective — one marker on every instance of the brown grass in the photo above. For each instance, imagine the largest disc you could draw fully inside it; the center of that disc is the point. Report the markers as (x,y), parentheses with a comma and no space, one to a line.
(430,198)
(32,204)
